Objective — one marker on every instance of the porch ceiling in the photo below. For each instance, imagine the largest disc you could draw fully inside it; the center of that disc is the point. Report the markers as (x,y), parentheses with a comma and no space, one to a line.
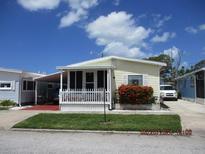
(55,77)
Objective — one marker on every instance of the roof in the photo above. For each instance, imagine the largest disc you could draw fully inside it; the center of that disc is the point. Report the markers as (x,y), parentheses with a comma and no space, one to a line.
(19,71)
(85,67)
(53,77)
(82,64)
(10,70)
(187,74)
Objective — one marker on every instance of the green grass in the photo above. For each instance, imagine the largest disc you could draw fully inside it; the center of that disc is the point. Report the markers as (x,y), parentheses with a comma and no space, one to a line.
(3,108)
(95,122)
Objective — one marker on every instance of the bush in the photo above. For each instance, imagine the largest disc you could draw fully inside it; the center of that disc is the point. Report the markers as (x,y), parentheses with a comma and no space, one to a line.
(7,103)
(133,94)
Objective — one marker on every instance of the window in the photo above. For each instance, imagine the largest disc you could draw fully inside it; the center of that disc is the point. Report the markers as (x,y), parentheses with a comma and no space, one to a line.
(72,80)
(166,88)
(5,85)
(89,80)
(50,86)
(79,78)
(76,81)
(102,79)
(28,85)
(135,79)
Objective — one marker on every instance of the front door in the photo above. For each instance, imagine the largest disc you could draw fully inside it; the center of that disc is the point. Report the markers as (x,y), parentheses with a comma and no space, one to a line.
(89,80)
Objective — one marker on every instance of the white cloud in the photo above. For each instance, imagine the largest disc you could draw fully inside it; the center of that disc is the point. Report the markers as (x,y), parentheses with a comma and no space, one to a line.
(34,5)
(119,33)
(172,52)
(79,10)
(116,2)
(191,30)
(160,20)
(164,37)
(71,18)
(202,27)
(119,49)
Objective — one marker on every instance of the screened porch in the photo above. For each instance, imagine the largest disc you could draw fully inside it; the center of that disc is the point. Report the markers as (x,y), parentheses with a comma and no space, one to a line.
(85,86)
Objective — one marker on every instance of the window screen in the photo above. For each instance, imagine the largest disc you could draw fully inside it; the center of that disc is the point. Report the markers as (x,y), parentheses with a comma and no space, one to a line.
(135,79)
(102,79)
(72,80)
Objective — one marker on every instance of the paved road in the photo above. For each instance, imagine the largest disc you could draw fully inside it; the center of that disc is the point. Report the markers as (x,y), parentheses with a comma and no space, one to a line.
(192,115)
(36,142)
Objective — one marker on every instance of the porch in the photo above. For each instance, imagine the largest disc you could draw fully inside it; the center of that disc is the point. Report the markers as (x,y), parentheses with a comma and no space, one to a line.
(85,89)
(78,89)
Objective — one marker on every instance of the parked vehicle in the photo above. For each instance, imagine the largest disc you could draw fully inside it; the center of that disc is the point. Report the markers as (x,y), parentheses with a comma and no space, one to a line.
(168,92)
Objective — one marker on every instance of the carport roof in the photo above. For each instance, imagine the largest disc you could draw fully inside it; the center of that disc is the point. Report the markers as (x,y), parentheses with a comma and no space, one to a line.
(54,77)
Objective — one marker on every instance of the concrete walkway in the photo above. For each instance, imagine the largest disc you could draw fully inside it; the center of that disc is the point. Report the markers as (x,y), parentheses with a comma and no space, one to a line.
(192,115)
(8,118)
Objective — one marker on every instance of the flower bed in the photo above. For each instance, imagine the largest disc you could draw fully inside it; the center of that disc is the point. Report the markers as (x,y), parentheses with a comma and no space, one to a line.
(136,97)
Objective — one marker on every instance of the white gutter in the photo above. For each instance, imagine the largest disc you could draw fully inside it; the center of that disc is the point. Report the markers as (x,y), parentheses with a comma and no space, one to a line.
(201,69)
(84,67)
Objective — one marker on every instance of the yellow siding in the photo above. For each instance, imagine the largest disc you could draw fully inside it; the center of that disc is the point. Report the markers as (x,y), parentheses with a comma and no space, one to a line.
(124,68)
(150,73)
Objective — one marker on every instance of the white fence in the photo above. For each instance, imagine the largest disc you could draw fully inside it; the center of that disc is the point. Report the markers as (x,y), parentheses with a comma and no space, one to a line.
(85,96)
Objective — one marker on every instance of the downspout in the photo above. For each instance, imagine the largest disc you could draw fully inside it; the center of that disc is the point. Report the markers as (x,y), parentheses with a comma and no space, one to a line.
(195,87)
(61,88)
(36,93)
(204,87)
(20,83)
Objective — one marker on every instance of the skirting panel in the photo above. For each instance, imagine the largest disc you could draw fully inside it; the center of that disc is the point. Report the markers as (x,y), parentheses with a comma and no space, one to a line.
(200,100)
(83,107)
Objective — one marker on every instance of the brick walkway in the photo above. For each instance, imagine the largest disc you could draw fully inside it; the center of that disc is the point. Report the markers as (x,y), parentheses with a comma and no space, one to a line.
(43,107)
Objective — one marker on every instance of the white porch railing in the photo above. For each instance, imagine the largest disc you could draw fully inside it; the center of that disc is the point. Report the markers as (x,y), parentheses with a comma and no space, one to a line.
(85,96)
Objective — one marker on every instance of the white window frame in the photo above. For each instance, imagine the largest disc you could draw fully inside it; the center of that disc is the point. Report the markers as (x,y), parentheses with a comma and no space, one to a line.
(27,86)
(7,88)
(136,75)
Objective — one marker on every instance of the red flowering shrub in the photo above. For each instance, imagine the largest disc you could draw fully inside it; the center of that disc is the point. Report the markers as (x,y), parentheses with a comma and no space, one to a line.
(133,94)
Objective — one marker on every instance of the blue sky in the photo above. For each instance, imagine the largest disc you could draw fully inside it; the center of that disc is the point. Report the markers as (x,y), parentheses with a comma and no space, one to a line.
(38,35)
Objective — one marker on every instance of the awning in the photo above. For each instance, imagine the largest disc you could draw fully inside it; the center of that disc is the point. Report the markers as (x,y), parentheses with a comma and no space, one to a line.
(55,77)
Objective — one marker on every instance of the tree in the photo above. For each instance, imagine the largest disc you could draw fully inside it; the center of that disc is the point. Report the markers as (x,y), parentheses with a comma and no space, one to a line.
(182,71)
(173,69)
(199,64)
(166,71)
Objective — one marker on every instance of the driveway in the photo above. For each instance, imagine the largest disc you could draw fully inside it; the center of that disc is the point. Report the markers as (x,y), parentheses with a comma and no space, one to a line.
(8,118)
(192,115)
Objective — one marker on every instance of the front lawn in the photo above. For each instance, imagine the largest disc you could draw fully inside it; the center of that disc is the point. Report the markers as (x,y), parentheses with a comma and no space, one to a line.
(95,122)
(3,108)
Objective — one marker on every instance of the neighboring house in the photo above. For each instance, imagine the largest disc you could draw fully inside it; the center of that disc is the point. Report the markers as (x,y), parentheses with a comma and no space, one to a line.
(81,84)
(192,86)
(17,85)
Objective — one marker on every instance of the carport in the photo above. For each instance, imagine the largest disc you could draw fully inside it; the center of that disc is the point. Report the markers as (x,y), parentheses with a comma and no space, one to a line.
(47,88)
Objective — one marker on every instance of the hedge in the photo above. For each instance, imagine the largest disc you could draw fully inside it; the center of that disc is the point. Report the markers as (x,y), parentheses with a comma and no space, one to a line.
(7,103)
(133,94)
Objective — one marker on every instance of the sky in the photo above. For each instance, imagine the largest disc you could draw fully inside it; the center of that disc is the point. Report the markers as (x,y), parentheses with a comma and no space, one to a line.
(38,35)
